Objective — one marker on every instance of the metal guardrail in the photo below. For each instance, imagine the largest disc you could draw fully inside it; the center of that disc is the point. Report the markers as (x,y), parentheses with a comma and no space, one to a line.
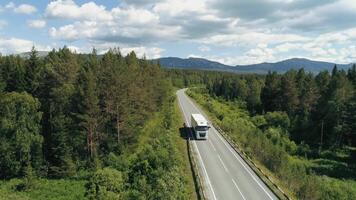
(196,172)
(253,165)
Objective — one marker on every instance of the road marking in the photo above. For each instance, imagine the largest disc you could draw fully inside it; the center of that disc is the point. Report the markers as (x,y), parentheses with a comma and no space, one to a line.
(238,189)
(200,158)
(212,145)
(229,147)
(244,166)
(223,164)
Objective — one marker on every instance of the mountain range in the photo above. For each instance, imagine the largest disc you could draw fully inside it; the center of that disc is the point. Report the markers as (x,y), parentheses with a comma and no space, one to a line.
(261,68)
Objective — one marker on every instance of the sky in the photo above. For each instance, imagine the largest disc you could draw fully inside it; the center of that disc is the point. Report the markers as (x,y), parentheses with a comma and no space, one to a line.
(233,32)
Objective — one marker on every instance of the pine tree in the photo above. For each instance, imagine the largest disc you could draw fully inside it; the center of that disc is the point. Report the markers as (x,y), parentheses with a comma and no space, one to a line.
(270,94)
(33,72)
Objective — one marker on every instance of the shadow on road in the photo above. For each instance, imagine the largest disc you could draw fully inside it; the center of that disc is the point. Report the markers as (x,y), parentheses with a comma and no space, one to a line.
(186,133)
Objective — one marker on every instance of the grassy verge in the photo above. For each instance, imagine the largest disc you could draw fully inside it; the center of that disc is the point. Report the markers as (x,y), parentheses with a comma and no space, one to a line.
(274,153)
(205,103)
(182,146)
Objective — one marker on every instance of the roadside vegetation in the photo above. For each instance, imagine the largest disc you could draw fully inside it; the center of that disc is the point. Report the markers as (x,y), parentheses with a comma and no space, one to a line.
(78,126)
(277,120)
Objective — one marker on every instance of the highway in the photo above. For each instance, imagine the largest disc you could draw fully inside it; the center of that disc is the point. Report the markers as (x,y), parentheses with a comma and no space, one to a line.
(226,175)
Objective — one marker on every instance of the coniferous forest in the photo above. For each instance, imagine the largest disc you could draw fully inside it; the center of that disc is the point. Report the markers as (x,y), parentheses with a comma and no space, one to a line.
(298,125)
(88,126)
(78,126)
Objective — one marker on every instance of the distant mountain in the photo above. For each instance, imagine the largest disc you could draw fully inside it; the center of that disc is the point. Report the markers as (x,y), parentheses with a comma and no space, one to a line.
(262,68)
(193,63)
(39,54)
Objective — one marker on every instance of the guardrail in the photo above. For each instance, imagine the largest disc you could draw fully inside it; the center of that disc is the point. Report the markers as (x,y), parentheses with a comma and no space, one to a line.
(260,173)
(196,172)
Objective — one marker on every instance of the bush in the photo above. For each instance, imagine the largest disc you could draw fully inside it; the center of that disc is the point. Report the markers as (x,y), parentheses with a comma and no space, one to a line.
(278,119)
(106,184)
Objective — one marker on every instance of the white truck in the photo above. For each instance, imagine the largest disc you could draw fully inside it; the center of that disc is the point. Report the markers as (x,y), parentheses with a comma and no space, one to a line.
(200,126)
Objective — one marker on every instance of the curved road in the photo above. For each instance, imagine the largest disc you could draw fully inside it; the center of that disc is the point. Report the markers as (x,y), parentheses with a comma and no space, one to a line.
(226,175)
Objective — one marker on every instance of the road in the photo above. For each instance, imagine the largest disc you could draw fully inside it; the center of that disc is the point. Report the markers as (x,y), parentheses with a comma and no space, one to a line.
(226,175)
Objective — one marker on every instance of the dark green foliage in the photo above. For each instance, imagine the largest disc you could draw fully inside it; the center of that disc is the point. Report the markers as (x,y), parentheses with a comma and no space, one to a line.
(93,114)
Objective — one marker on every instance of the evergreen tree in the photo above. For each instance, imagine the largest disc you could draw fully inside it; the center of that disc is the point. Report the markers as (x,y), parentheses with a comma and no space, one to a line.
(89,111)
(61,73)
(289,93)
(33,72)
(270,92)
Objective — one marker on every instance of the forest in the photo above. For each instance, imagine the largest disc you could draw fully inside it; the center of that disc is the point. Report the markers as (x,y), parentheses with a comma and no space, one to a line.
(84,126)
(88,126)
(298,125)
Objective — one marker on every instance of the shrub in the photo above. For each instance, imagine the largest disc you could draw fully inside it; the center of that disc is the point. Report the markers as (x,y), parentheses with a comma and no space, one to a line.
(105,184)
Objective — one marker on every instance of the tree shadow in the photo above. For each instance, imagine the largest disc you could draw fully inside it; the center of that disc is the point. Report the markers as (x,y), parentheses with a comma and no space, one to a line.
(186,132)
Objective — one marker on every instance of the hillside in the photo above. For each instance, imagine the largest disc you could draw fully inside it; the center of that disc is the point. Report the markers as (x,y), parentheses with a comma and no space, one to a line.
(262,68)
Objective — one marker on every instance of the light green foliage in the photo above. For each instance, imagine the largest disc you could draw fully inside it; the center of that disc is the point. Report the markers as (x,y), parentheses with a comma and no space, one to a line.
(152,169)
(105,184)
(20,139)
(277,119)
(45,189)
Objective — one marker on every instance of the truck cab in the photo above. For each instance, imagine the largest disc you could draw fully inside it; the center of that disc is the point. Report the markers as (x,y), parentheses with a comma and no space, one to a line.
(200,126)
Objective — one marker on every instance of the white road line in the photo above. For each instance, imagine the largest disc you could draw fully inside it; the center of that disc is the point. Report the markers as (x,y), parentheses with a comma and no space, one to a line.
(254,178)
(200,158)
(212,145)
(223,164)
(238,189)
(229,147)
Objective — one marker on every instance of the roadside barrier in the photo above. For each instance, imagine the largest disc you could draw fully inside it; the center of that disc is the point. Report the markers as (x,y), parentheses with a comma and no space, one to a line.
(260,173)
(196,172)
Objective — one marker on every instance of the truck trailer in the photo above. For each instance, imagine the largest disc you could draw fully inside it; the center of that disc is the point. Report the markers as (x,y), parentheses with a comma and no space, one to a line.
(200,126)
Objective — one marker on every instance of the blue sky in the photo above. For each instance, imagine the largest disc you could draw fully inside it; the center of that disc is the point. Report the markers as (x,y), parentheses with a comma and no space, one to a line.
(229,31)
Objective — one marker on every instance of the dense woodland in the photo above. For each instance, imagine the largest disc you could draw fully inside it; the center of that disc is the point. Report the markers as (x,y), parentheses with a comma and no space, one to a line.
(321,107)
(99,125)
(299,126)
(73,116)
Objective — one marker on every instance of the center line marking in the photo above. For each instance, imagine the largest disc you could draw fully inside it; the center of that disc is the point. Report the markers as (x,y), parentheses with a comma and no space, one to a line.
(223,164)
(233,153)
(238,188)
(199,156)
(212,145)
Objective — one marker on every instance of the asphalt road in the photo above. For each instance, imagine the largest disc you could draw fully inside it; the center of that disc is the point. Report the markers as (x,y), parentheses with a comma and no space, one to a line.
(226,175)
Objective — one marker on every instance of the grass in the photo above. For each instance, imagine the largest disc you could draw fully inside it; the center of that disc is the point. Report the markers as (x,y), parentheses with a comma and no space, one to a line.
(45,189)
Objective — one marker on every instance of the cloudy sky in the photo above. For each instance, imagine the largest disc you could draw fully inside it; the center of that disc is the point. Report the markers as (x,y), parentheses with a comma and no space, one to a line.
(230,31)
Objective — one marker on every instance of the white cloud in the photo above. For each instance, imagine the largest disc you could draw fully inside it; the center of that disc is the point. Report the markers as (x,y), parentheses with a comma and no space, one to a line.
(148,52)
(25,9)
(247,37)
(68,9)
(14,45)
(36,23)
(314,29)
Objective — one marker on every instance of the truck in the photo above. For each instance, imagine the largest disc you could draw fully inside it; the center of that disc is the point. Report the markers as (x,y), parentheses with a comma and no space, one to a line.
(200,126)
